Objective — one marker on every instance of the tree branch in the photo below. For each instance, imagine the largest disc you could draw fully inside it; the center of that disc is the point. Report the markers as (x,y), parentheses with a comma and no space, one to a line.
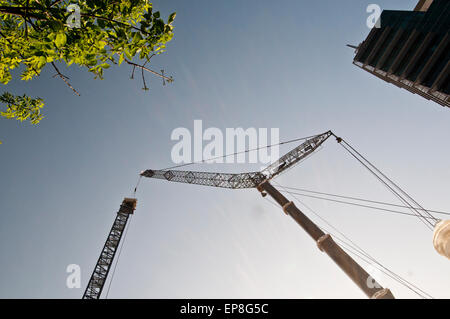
(143,77)
(64,78)
(170,80)
(18,11)
(25,19)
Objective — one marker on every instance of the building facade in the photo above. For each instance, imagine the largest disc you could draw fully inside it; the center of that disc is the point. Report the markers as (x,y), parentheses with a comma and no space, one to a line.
(411,50)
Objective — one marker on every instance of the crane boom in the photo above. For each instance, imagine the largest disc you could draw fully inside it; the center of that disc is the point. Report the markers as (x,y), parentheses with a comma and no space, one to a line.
(242,180)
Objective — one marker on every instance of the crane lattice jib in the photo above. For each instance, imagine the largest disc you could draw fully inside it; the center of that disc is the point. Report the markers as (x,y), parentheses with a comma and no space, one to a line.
(296,155)
(242,180)
(224,180)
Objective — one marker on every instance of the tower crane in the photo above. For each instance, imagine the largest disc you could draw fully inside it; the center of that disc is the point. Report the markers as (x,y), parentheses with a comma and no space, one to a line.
(261,181)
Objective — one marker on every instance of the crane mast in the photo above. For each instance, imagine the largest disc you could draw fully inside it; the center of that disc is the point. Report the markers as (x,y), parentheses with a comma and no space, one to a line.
(101,270)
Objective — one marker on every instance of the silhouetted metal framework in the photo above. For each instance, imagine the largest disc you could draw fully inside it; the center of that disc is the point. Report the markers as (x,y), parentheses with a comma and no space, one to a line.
(243,180)
(101,270)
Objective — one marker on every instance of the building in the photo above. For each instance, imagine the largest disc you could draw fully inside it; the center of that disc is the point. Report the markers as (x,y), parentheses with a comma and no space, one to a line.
(411,50)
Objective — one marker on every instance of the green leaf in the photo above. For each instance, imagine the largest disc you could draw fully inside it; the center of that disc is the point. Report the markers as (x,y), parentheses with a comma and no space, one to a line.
(171,18)
(60,40)
(128,54)
(42,62)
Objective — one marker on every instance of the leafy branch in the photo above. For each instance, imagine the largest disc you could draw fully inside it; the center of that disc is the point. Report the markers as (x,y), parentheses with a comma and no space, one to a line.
(34,33)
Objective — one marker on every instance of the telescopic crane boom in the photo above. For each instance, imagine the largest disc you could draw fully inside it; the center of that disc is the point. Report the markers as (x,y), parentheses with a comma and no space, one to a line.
(261,181)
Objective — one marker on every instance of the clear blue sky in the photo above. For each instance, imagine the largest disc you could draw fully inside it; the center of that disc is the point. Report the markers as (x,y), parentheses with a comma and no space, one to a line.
(243,64)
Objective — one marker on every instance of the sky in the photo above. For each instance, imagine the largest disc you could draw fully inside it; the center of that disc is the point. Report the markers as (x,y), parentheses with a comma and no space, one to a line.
(244,64)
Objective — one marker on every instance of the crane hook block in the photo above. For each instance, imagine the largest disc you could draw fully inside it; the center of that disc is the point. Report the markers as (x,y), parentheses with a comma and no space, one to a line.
(441,238)
(338,139)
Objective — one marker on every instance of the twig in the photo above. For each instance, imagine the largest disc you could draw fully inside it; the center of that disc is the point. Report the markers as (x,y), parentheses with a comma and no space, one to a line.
(143,77)
(25,19)
(170,80)
(132,72)
(64,78)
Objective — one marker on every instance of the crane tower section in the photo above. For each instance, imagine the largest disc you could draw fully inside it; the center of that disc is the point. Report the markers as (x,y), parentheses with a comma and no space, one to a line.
(101,270)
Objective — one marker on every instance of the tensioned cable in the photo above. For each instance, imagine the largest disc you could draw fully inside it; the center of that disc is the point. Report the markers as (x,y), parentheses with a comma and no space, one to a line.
(241,152)
(137,185)
(420,216)
(428,224)
(390,180)
(118,255)
(360,199)
(425,221)
(398,278)
(361,205)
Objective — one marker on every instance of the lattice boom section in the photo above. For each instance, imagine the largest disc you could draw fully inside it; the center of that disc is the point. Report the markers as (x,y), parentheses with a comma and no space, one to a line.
(224,180)
(296,155)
